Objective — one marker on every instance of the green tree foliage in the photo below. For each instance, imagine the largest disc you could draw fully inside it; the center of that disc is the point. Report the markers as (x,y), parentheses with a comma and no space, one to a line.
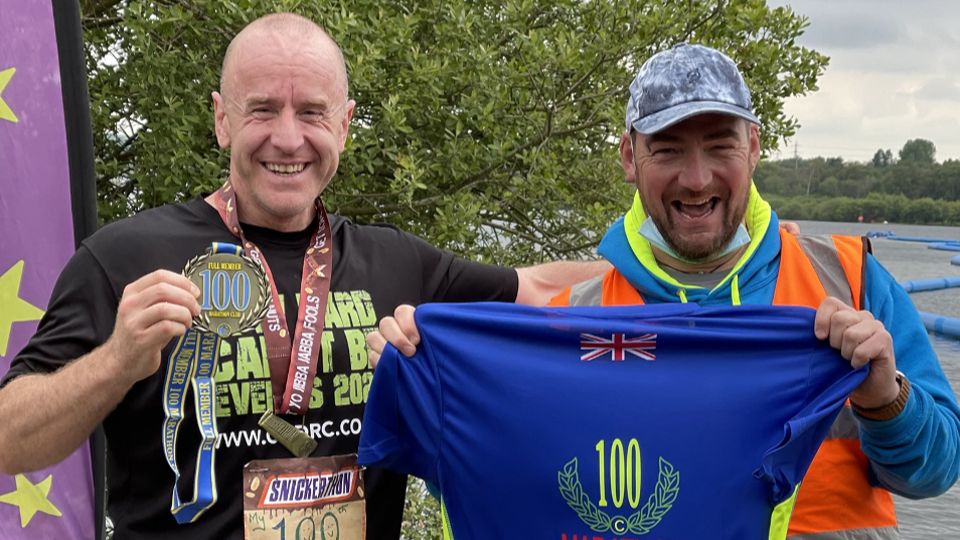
(882,158)
(421,513)
(920,151)
(489,128)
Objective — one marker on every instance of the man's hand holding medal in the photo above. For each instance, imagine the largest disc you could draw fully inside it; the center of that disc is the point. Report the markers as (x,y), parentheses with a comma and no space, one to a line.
(154,309)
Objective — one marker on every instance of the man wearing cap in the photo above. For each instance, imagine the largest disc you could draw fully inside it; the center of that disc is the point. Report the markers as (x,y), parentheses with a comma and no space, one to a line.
(698,231)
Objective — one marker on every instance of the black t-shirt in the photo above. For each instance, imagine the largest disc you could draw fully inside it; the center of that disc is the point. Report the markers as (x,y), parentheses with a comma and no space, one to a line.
(375,268)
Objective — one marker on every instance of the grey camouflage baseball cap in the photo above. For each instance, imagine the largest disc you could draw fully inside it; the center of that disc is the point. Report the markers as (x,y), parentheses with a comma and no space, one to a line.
(685,81)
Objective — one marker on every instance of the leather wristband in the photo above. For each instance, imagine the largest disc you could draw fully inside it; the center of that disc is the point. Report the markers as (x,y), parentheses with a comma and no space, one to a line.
(892,409)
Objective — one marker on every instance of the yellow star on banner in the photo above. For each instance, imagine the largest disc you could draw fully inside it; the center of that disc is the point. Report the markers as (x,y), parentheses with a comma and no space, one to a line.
(12,307)
(31,498)
(6,113)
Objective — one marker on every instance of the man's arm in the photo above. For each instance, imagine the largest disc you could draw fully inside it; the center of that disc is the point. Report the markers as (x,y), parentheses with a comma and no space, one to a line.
(47,416)
(538,284)
(916,452)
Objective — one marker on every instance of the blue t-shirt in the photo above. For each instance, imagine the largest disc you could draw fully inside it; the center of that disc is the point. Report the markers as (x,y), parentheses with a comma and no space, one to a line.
(670,421)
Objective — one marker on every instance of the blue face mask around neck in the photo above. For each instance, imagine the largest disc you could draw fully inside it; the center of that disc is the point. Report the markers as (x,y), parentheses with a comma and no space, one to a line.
(650,231)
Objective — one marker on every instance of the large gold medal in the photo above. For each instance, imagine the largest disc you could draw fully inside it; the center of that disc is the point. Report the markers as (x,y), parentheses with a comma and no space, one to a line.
(234,291)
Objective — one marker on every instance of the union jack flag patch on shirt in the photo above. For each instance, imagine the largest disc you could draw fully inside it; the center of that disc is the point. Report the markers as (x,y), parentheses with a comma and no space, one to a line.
(618,346)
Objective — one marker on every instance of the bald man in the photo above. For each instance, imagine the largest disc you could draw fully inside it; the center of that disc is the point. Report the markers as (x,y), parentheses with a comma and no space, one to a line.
(109,347)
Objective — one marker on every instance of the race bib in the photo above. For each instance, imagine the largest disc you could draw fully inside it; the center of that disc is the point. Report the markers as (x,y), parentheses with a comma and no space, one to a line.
(304,498)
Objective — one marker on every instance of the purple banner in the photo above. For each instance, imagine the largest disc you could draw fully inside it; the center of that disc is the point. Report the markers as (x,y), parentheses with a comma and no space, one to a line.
(36,239)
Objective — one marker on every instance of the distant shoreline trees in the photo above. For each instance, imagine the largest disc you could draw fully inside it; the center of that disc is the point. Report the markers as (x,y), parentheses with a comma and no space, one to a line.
(874,208)
(911,189)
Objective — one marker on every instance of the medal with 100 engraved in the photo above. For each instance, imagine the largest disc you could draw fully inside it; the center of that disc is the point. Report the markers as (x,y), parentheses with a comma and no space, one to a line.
(234,291)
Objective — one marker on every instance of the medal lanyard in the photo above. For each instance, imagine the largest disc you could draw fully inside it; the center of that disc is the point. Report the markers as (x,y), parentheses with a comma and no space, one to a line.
(193,362)
(293,365)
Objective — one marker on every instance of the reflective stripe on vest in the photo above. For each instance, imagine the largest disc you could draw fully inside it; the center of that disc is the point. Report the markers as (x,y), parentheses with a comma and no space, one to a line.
(836,500)
(610,289)
(816,267)
(888,533)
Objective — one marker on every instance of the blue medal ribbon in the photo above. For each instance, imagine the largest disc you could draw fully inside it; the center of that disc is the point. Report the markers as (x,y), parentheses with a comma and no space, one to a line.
(224,247)
(194,360)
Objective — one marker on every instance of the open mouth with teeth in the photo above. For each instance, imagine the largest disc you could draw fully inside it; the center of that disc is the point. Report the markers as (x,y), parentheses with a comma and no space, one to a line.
(696,209)
(285,169)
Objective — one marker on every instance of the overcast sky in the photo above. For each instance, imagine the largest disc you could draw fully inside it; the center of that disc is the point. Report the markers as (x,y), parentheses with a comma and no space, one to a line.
(894,75)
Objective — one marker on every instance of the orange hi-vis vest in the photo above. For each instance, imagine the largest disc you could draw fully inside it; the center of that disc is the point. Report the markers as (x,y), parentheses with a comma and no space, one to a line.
(836,500)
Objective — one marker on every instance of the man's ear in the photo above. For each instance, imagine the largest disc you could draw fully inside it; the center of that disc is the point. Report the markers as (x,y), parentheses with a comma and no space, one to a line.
(627,158)
(345,123)
(754,146)
(221,124)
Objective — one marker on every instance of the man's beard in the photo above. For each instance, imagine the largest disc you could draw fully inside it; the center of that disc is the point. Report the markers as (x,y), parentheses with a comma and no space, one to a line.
(697,252)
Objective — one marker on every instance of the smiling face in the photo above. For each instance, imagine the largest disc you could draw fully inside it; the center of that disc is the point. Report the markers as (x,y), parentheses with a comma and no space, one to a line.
(694,179)
(284,114)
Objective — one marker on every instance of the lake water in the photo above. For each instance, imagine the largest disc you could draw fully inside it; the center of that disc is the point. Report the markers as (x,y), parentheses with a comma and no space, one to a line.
(938,517)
